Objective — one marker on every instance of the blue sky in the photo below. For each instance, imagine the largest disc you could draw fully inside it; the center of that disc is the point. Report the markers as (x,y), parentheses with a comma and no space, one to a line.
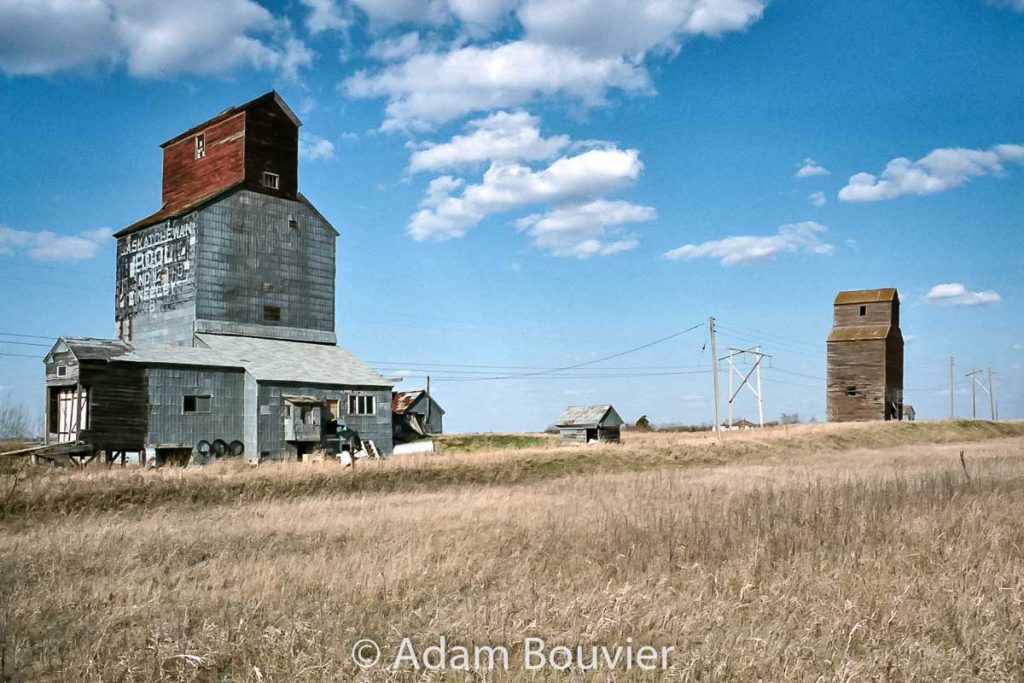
(531,184)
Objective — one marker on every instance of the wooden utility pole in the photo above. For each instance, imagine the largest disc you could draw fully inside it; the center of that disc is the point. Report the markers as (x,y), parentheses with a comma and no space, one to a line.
(428,403)
(714,376)
(952,383)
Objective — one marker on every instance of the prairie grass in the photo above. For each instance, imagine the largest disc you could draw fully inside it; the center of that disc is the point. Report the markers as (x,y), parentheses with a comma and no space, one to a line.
(817,554)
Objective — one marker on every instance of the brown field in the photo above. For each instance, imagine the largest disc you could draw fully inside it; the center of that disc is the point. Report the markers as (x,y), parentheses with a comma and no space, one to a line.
(814,553)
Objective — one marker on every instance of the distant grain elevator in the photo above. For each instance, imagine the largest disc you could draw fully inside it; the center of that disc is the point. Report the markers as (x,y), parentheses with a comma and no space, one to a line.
(865,357)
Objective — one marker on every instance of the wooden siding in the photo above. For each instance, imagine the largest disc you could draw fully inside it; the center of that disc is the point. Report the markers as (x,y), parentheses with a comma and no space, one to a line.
(572,436)
(858,364)
(187,178)
(878,313)
(118,405)
(272,145)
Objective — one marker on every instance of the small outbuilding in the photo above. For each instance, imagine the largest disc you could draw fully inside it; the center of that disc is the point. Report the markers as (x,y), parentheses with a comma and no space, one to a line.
(588,424)
(415,414)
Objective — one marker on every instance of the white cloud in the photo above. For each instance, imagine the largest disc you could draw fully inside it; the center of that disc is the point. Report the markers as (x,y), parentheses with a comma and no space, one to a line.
(632,27)
(51,246)
(956,294)
(152,39)
(507,185)
(817,198)
(326,15)
(398,47)
(431,88)
(810,168)
(792,238)
(384,13)
(314,147)
(588,229)
(502,136)
(942,169)
(1015,5)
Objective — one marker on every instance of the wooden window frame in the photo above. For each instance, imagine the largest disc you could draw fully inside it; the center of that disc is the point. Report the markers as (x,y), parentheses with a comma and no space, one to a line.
(271,314)
(62,371)
(368,408)
(271,181)
(200,142)
(196,404)
(863,310)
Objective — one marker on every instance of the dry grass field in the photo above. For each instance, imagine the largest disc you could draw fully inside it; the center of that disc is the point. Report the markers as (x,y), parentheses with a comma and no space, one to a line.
(815,553)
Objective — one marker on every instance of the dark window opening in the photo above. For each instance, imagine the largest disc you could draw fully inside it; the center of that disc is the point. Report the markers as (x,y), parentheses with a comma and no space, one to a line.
(268,286)
(863,310)
(200,146)
(271,180)
(851,391)
(293,224)
(62,370)
(272,314)
(196,404)
(362,405)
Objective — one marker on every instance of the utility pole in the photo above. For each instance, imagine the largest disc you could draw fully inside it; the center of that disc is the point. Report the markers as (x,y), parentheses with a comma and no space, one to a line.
(428,403)
(991,396)
(744,379)
(951,385)
(974,393)
(714,376)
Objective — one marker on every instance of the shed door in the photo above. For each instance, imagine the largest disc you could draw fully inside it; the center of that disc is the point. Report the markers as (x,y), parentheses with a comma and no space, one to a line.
(72,413)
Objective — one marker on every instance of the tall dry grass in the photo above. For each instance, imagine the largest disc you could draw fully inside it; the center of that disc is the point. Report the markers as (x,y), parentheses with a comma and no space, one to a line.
(826,563)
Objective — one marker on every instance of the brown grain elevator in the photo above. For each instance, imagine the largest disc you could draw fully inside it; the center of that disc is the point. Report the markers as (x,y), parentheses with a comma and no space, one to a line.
(865,357)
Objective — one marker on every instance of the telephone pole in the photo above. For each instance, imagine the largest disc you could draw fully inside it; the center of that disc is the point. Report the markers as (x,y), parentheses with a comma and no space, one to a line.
(952,383)
(714,376)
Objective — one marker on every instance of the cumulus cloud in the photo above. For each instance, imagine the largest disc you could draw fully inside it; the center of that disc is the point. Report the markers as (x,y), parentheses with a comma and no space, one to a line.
(587,229)
(810,168)
(314,147)
(502,136)
(326,15)
(51,246)
(956,294)
(817,198)
(942,169)
(632,27)
(508,185)
(152,39)
(431,88)
(398,47)
(792,238)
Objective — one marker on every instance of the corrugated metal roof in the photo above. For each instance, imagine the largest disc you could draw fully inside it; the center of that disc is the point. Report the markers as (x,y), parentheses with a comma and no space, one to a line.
(89,348)
(300,362)
(589,416)
(401,400)
(866,296)
(171,354)
(858,333)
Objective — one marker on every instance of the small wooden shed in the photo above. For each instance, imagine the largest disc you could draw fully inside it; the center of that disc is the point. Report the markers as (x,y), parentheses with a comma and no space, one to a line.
(587,424)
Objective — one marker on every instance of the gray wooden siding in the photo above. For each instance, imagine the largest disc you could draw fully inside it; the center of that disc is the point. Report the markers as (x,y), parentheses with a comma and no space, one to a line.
(572,435)
(859,364)
(249,257)
(169,424)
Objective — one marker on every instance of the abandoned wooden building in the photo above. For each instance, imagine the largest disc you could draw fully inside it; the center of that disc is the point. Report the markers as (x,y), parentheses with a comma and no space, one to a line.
(865,357)
(589,424)
(415,414)
(224,313)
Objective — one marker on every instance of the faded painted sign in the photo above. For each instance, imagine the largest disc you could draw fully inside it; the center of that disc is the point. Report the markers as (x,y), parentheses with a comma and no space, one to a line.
(156,268)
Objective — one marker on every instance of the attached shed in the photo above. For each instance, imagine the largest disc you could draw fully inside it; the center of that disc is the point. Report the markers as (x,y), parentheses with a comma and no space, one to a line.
(581,425)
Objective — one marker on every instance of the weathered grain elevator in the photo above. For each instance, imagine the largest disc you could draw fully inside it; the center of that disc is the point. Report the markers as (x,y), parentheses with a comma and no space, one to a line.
(224,314)
(865,357)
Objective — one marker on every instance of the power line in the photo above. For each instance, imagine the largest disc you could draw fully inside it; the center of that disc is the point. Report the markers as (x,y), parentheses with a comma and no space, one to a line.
(583,364)
(20,355)
(27,336)
(21,343)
